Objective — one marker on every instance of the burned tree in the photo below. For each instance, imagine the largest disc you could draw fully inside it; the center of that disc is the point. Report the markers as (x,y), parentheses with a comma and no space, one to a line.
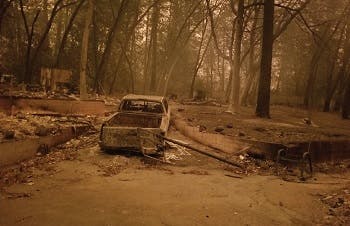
(263,102)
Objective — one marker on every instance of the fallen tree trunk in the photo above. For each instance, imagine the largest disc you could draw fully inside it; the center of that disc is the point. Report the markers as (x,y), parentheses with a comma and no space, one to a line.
(222,159)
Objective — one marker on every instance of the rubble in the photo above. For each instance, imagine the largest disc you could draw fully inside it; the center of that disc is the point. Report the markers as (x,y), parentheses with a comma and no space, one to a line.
(41,131)
(113,167)
(229,125)
(333,167)
(202,128)
(24,126)
(176,152)
(338,203)
(24,171)
(9,134)
(219,129)
(241,134)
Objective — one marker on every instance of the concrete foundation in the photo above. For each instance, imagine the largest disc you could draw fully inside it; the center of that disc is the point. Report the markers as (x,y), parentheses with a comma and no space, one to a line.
(217,141)
(11,105)
(320,151)
(12,152)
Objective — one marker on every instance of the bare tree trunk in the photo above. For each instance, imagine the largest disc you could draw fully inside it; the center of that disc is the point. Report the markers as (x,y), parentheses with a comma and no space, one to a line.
(263,102)
(4,5)
(198,65)
(339,94)
(58,33)
(154,44)
(29,32)
(346,102)
(312,77)
(234,96)
(221,53)
(332,85)
(43,38)
(229,82)
(314,61)
(131,62)
(44,52)
(197,60)
(211,72)
(329,84)
(94,43)
(19,39)
(129,37)
(146,57)
(66,32)
(222,78)
(333,58)
(116,72)
(252,66)
(249,84)
(230,61)
(84,50)
(100,73)
(174,59)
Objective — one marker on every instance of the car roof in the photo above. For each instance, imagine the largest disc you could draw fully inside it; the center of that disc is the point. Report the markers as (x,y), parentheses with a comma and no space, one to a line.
(143,97)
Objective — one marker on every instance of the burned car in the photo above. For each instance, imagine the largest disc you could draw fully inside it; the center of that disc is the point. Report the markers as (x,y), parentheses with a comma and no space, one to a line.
(139,124)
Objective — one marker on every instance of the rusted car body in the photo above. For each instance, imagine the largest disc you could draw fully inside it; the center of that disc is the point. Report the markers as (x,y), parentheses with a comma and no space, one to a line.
(137,124)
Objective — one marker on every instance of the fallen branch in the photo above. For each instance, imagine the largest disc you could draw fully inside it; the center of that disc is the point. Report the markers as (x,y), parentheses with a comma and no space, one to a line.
(234,176)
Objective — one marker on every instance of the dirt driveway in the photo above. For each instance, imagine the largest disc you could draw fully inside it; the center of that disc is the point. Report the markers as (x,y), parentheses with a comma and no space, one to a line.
(95,188)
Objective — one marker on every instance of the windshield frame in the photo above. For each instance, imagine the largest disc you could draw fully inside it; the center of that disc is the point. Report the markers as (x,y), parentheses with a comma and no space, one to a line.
(142,109)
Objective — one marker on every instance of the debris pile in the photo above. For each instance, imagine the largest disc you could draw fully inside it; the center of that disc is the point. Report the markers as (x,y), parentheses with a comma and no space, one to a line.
(251,165)
(23,126)
(338,204)
(333,167)
(24,172)
(114,166)
(176,152)
(83,141)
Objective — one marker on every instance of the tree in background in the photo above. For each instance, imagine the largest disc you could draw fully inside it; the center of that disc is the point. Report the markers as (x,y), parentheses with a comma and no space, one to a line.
(84,50)
(179,47)
(263,102)
(235,90)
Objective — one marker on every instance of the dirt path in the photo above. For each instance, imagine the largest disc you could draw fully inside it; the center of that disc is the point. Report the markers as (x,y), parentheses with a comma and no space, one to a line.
(101,189)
